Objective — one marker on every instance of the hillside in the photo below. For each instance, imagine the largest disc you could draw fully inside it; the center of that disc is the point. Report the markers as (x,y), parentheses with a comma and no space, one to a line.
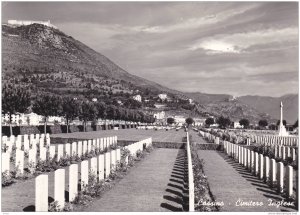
(37,50)
(271,105)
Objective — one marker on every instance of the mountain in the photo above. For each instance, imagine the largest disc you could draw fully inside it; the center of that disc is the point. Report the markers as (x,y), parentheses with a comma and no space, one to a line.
(205,98)
(271,105)
(43,51)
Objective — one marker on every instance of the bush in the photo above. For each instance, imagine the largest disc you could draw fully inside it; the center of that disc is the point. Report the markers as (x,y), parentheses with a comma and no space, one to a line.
(7,179)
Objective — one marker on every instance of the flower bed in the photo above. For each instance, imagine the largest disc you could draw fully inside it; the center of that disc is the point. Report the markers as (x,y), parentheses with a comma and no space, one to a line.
(202,190)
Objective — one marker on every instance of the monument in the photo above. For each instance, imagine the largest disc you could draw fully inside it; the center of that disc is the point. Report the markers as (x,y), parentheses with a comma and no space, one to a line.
(282,130)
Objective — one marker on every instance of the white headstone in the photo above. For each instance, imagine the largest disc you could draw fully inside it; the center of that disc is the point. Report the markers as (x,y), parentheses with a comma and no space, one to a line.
(68,149)
(84,173)
(74,148)
(32,156)
(289,181)
(20,160)
(43,153)
(280,177)
(59,187)
(85,147)
(73,181)
(52,152)
(266,168)
(113,159)
(93,165)
(273,171)
(101,166)
(89,146)
(107,164)
(41,193)
(79,148)
(60,151)
(5,161)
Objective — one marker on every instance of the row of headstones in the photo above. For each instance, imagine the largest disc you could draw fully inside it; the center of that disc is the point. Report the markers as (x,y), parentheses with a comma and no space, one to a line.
(133,148)
(101,164)
(22,140)
(275,140)
(262,166)
(282,152)
(190,176)
(60,150)
(207,135)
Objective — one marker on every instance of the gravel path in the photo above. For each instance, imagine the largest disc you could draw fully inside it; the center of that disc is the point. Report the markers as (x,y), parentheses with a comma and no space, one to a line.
(231,183)
(145,188)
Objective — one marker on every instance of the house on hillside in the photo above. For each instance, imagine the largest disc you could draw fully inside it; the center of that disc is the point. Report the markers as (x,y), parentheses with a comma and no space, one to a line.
(137,98)
(162,96)
(237,125)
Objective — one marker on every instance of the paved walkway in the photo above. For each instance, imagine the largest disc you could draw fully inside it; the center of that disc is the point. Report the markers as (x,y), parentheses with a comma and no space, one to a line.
(231,183)
(146,188)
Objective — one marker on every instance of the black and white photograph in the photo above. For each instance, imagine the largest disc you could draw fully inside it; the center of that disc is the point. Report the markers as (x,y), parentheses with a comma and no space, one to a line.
(150,106)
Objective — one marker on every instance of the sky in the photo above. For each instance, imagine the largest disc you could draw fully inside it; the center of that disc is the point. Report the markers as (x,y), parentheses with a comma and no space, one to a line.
(237,48)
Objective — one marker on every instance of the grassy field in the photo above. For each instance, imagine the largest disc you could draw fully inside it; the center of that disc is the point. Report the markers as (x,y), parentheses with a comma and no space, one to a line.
(133,135)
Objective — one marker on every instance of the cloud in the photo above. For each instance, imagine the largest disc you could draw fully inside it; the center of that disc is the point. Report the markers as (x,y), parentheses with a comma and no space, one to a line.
(235,43)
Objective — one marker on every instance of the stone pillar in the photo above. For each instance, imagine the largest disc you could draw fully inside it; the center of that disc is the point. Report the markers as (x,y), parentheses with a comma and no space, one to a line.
(73,181)
(101,163)
(5,162)
(280,177)
(59,187)
(41,193)
(107,164)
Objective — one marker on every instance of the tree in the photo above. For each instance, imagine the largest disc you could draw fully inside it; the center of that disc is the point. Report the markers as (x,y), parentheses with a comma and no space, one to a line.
(209,121)
(283,122)
(295,124)
(170,120)
(88,112)
(70,109)
(272,127)
(189,121)
(263,123)
(14,100)
(244,122)
(223,122)
(47,105)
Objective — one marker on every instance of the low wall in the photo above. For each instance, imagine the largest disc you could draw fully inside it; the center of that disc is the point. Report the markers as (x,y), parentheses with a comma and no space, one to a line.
(56,129)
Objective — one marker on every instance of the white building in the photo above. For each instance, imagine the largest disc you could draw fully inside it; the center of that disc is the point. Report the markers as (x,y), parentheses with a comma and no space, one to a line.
(159,115)
(237,125)
(29,22)
(94,99)
(162,96)
(137,98)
